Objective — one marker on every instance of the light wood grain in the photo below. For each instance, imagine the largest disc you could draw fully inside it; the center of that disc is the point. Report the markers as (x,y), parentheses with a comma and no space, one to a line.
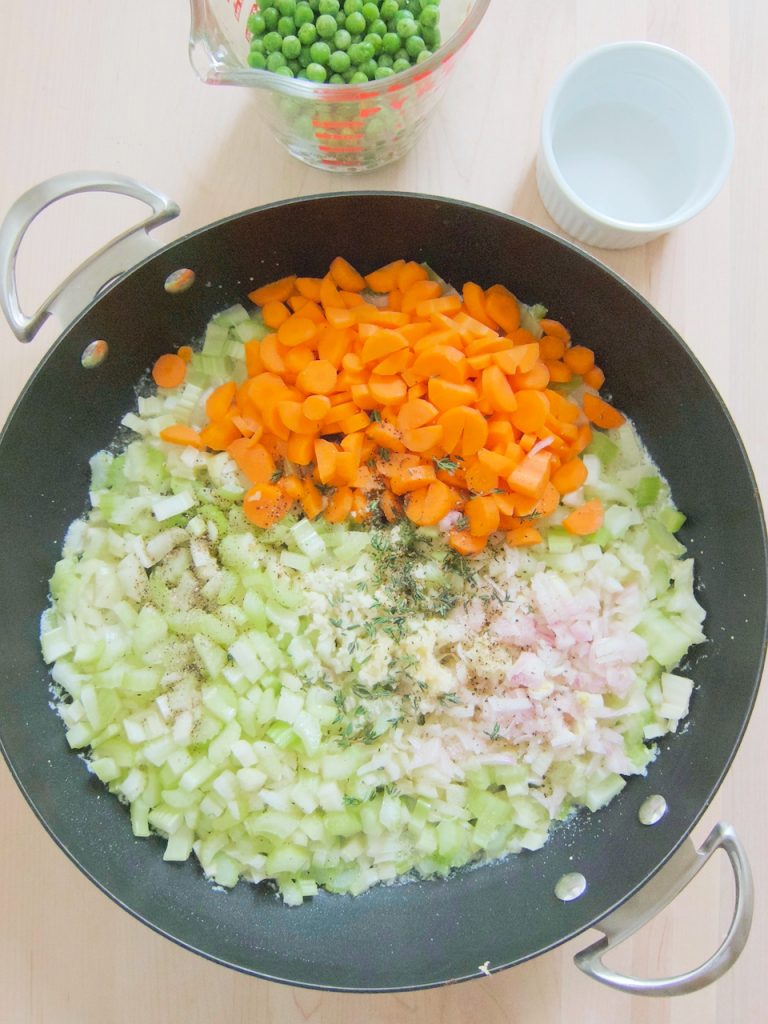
(108,86)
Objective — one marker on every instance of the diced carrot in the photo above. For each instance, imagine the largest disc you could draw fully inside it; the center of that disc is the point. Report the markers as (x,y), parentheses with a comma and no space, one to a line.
(585,519)
(415,413)
(357,421)
(445,394)
(272,353)
(297,358)
(311,500)
(531,412)
(317,378)
(326,457)
(276,291)
(390,506)
(291,414)
(296,330)
(474,300)
(253,460)
(496,462)
(309,287)
(498,391)
(218,403)
(579,359)
(502,307)
(444,361)
(601,413)
(559,372)
(265,504)
(523,536)
(339,505)
(345,276)
(219,436)
(180,433)
(536,378)
(463,542)
(385,436)
(531,475)
(185,352)
(301,449)
(465,429)
(570,476)
(446,304)
(483,515)
(385,278)
(423,439)
(551,347)
(380,345)
(169,371)
(594,378)
(418,292)
(253,361)
(395,363)
(555,329)
(518,359)
(412,478)
(387,390)
(274,314)
(291,486)
(481,478)
(409,275)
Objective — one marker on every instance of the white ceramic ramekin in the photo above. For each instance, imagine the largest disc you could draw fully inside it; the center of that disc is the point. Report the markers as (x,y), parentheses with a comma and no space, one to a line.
(635,140)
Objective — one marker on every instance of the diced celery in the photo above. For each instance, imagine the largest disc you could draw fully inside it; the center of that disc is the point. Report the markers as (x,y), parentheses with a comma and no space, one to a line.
(671,519)
(647,491)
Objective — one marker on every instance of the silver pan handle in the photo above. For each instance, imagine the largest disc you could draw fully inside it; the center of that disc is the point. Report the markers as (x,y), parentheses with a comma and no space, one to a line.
(117,256)
(653,897)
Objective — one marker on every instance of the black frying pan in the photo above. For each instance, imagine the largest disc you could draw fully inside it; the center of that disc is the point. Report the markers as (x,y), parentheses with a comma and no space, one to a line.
(425,932)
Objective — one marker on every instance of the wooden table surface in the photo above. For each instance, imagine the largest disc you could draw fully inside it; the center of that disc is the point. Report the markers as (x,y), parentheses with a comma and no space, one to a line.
(108,86)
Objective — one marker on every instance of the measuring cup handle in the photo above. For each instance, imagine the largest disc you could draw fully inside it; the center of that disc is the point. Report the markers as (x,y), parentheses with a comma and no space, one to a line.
(117,256)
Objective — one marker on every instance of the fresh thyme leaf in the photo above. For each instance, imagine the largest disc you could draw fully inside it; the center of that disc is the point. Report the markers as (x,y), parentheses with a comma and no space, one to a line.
(447,465)
(375,415)
(461,523)
(494,733)
(384,454)
(277,475)
(448,698)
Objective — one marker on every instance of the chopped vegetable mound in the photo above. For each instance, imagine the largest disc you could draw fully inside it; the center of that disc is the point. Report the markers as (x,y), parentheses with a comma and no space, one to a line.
(297,693)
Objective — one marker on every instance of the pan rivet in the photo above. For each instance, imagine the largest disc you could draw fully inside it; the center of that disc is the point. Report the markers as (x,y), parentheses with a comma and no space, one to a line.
(571,886)
(94,354)
(652,809)
(179,281)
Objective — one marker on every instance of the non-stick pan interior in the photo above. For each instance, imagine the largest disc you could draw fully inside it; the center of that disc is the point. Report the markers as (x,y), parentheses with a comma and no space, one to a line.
(419,933)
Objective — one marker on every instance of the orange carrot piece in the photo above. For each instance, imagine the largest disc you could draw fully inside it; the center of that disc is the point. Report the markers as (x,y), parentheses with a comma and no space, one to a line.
(548,501)
(463,542)
(523,536)
(536,378)
(219,436)
(291,414)
(502,307)
(531,412)
(483,515)
(352,424)
(301,449)
(329,295)
(395,363)
(309,287)
(601,413)
(387,390)
(474,300)
(415,413)
(253,460)
(380,345)
(585,519)
(291,486)
(317,378)
(326,457)
(481,478)
(559,372)
(518,359)
(496,462)
(555,329)
(253,361)
(185,352)
(594,378)
(446,304)
(272,353)
(169,371)
(276,291)
(444,361)
(439,500)
(412,478)
(265,504)
(570,476)
(551,347)
(498,391)
(345,276)
(339,505)
(465,429)
(274,314)
(385,278)
(579,359)
(296,330)
(409,274)
(340,318)
(390,506)
(422,439)
(531,475)
(218,403)
(297,358)
(311,500)
(180,433)
(446,395)
(419,292)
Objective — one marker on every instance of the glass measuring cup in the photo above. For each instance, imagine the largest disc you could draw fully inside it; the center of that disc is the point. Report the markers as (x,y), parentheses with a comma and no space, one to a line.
(332,127)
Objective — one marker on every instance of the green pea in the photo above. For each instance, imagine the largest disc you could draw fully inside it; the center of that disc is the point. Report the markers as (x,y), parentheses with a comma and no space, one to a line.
(257,26)
(389,9)
(271,18)
(326,26)
(407,27)
(316,73)
(382,71)
(358,78)
(275,60)
(430,15)
(304,57)
(342,39)
(328,6)
(286,7)
(359,53)
(370,12)
(424,55)
(303,75)
(273,41)
(295,66)
(256,60)
(401,64)
(353,6)
(355,23)
(307,34)
(378,27)
(304,14)
(285,71)
(291,47)
(257,45)
(385,60)
(431,37)
(390,43)
(414,45)
(369,68)
(374,40)
(320,52)
(286,27)
(336,79)
(339,61)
